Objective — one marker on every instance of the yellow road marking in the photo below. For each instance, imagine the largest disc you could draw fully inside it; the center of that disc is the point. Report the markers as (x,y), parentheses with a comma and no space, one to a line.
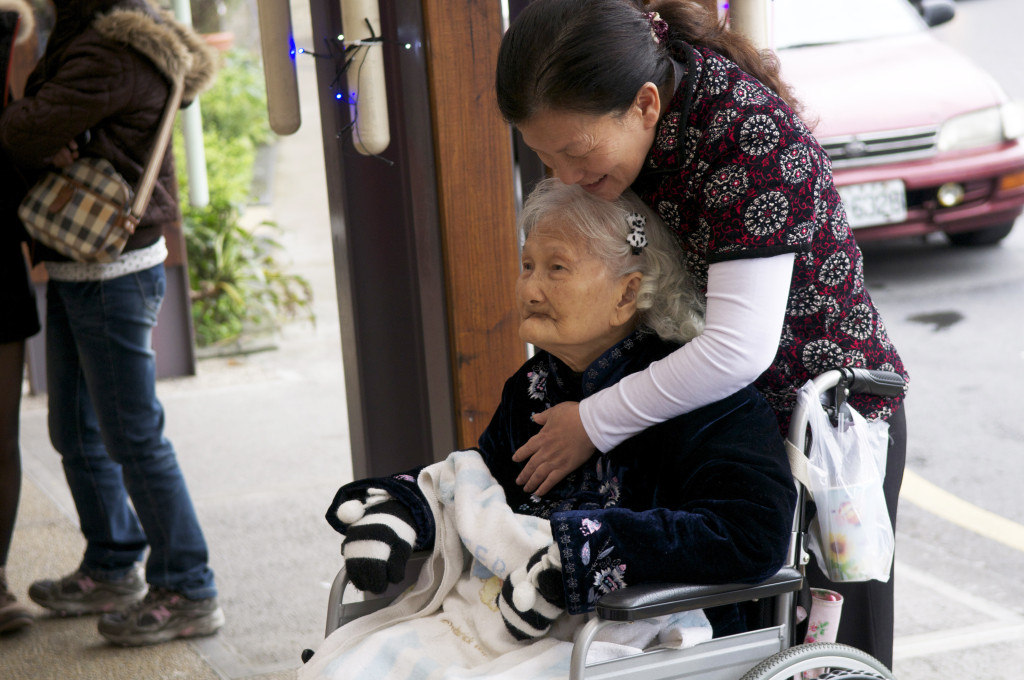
(941,503)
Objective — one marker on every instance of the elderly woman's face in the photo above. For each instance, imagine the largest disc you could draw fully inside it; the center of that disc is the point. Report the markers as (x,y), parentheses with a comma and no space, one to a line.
(603,154)
(569,302)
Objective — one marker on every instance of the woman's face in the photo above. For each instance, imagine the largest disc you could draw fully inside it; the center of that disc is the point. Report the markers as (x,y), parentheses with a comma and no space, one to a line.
(603,154)
(569,302)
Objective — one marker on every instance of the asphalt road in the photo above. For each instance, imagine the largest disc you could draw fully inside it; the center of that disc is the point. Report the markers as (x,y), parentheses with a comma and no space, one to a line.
(956,317)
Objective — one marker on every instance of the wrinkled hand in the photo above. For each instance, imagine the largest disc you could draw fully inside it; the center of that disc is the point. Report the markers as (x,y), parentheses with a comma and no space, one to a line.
(65,156)
(379,539)
(561,446)
(526,615)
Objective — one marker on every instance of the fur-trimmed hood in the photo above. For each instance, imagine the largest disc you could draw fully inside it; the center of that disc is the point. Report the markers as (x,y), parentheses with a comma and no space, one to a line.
(103,82)
(28,18)
(175,49)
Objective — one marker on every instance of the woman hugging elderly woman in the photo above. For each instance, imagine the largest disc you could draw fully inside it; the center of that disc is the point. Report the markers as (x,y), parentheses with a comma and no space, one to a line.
(706,497)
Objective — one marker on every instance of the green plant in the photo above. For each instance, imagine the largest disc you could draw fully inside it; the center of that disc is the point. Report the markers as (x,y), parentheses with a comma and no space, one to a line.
(236,276)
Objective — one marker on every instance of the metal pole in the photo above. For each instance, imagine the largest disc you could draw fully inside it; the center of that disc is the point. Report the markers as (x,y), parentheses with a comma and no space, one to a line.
(192,129)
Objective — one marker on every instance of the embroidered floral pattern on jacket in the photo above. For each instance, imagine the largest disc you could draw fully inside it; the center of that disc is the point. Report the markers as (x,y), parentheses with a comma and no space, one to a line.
(593,486)
(604,571)
(538,383)
(759,135)
(749,180)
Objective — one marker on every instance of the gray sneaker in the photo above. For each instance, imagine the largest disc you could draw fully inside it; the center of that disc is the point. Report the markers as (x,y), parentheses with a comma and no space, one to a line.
(13,614)
(162,616)
(78,593)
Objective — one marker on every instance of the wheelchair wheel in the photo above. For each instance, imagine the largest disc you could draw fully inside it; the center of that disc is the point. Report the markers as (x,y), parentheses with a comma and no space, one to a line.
(838,661)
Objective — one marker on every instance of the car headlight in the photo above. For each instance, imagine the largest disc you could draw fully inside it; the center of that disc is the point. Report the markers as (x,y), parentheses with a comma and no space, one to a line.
(982,128)
(1013,120)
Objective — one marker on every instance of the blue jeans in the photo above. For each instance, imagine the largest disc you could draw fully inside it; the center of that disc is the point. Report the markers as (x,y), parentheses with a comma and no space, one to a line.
(107,424)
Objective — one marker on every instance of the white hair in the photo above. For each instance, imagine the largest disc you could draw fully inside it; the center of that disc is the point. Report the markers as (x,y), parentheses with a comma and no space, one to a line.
(667,302)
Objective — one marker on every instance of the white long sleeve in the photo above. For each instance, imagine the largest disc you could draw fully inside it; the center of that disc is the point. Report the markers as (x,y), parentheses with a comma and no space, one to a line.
(746,306)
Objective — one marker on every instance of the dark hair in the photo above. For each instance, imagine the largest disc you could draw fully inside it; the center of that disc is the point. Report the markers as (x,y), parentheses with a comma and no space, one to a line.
(592,56)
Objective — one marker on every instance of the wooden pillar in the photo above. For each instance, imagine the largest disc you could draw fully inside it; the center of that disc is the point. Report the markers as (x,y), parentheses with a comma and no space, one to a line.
(426,254)
(473,152)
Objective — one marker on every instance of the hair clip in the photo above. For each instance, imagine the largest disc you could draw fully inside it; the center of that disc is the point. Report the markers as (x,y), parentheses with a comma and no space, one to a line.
(637,238)
(659,27)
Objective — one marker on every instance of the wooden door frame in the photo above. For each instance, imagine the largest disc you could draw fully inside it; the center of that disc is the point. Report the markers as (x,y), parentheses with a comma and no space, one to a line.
(425,248)
(476,196)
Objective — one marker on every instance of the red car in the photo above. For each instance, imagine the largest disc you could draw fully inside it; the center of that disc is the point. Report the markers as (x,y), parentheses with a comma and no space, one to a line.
(921,139)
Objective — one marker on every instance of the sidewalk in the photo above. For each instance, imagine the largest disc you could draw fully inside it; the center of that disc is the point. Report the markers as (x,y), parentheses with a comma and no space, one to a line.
(263,442)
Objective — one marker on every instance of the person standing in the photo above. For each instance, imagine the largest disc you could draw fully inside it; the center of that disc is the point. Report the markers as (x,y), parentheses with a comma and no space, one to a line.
(18,317)
(100,90)
(660,97)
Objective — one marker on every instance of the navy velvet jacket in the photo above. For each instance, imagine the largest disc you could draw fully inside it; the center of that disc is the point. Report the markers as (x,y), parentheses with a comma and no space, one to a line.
(704,498)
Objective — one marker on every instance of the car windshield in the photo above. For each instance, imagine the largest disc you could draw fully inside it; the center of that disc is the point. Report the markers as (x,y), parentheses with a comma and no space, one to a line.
(801,23)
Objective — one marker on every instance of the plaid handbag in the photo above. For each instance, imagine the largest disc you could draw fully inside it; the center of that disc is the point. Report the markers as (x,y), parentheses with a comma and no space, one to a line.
(86,211)
(83,211)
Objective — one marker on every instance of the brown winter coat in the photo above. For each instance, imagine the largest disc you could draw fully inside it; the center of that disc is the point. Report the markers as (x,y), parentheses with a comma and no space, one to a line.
(109,80)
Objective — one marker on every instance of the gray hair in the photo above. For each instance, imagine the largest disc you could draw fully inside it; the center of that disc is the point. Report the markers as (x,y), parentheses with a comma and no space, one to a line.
(667,301)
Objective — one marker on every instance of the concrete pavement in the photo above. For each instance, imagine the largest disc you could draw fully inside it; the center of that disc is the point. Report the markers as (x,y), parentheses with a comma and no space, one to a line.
(263,442)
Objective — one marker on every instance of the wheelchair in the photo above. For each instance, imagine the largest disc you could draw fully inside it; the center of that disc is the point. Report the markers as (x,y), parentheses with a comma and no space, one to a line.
(769,652)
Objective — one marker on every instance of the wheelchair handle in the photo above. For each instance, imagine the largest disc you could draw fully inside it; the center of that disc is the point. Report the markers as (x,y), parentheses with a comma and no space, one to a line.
(868,381)
(835,386)
(859,381)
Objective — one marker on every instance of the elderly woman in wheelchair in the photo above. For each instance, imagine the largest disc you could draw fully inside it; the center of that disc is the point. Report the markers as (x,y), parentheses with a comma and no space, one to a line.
(705,498)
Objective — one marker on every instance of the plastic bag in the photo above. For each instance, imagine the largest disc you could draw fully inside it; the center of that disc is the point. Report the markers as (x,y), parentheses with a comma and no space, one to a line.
(851,535)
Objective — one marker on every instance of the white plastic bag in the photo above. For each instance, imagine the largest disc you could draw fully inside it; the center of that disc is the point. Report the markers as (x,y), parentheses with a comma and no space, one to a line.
(851,535)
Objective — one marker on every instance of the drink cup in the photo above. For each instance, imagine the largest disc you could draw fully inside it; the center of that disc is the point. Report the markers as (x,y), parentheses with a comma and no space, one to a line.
(823,621)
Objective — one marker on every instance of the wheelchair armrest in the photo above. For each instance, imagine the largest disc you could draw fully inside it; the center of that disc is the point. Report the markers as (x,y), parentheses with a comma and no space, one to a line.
(644,601)
(340,612)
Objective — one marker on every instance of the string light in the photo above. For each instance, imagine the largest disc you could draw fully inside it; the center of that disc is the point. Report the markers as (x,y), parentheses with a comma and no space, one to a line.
(343,54)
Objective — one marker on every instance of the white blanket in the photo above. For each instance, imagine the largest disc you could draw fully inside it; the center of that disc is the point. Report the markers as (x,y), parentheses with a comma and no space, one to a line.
(447,625)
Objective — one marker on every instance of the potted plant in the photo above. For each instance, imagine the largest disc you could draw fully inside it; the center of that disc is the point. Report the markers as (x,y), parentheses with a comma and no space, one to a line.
(241,293)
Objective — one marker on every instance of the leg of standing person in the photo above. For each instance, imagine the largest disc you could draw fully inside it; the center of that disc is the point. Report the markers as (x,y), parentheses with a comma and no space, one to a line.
(111,323)
(18,321)
(107,578)
(13,615)
(868,613)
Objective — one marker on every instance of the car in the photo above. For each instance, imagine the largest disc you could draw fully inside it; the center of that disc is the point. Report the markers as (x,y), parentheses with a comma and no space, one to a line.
(921,139)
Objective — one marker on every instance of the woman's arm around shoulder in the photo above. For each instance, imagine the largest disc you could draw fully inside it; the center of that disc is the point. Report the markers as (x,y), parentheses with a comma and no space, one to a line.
(746,306)
(720,511)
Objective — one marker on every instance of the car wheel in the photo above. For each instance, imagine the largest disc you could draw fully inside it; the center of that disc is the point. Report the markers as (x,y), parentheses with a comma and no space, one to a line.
(981,237)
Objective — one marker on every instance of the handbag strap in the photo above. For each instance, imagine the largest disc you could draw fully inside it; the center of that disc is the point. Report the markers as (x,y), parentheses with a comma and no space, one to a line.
(798,464)
(163,136)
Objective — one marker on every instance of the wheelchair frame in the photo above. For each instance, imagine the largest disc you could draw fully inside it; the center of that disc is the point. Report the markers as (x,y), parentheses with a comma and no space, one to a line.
(768,653)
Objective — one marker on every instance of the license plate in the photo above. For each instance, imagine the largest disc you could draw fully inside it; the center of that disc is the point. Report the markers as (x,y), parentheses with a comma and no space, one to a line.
(875,203)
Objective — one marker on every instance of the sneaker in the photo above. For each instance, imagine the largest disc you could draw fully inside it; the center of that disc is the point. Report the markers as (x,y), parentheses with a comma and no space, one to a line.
(13,614)
(162,616)
(78,593)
